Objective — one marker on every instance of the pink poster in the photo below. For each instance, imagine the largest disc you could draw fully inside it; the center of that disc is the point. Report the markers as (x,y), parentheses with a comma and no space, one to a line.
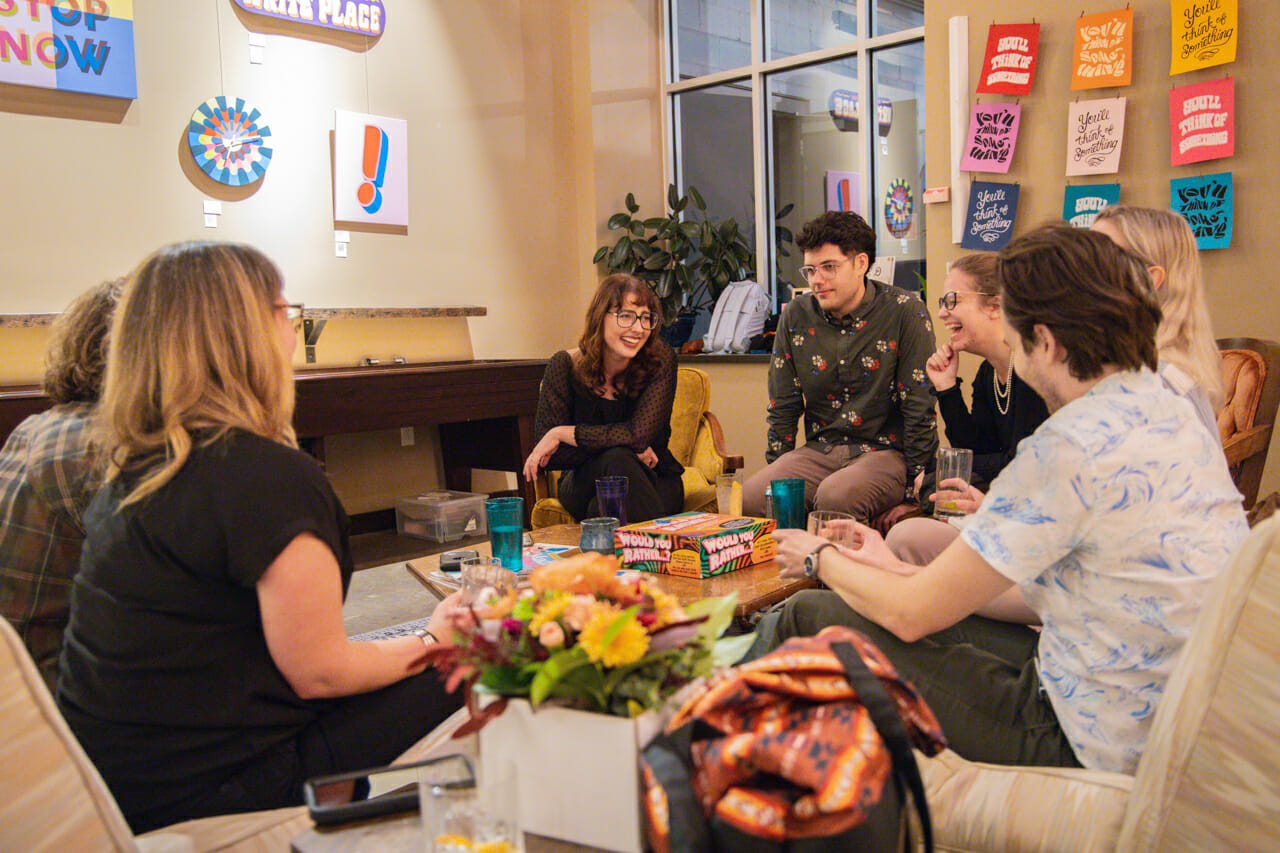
(1010,64)
(993,134)
(1202,121)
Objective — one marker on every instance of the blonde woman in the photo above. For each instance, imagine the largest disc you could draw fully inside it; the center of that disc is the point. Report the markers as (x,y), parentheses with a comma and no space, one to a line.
(206,669)
(1189,357)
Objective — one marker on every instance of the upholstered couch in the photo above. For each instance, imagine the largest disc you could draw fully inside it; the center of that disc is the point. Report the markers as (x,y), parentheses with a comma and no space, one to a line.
(697,442)
(1210,777)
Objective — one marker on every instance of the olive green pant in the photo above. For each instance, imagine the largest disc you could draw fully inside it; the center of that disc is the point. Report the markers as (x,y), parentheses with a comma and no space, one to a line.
(978,676)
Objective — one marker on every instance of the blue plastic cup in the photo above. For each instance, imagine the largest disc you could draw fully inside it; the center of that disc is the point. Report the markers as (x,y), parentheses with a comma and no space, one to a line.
(788,502)
(506,530)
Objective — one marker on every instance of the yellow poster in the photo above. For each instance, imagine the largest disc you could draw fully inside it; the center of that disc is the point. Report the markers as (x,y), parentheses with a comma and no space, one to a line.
(1103,50)
(1203,32)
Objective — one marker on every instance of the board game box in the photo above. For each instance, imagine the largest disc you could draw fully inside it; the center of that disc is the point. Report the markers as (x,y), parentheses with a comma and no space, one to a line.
(695,544)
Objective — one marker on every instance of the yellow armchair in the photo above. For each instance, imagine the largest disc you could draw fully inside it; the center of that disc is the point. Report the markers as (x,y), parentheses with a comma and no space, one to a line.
(697,442)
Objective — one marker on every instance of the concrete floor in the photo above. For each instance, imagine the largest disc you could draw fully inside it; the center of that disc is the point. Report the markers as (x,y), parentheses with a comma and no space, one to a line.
(385,596)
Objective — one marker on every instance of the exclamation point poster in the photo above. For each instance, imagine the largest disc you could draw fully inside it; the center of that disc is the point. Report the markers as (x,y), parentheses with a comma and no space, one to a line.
(370,169)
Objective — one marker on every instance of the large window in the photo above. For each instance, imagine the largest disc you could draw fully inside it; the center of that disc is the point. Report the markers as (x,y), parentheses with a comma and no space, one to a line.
(770,120)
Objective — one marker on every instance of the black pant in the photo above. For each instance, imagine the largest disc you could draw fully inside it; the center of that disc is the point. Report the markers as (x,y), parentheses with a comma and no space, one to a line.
(978,676)
(365,730)
(650,493)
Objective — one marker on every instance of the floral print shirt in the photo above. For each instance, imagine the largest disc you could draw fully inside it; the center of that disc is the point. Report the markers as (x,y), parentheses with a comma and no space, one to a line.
(858,380)
(1113,518)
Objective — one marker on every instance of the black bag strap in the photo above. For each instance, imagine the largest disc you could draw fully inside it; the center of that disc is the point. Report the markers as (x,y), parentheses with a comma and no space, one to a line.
(669,759)
(884,713)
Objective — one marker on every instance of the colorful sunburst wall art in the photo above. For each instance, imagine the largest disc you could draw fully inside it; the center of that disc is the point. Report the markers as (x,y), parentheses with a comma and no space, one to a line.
(228,139)
(898,206)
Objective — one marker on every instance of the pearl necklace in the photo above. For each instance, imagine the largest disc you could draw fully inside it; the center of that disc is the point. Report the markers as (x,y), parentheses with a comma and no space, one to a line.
(1007,393)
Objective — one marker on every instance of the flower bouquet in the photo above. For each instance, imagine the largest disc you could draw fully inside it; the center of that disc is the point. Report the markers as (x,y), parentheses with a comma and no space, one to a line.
(586,636)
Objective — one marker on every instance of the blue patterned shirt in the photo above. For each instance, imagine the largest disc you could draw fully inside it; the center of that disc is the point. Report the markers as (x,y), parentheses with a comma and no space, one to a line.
(1113,519)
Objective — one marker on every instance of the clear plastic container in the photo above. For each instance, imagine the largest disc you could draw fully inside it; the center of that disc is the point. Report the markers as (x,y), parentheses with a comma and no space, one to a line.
(442,516)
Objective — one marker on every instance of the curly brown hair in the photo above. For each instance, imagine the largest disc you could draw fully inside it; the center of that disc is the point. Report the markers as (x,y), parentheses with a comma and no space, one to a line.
(844,229)
(588,366)
(76,357)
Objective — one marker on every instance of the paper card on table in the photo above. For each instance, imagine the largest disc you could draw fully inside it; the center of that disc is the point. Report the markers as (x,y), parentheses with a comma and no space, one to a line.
(1103,54)
(1204,33)
(1205,201)
(1082,203)
(1202,121)
(993,134)
(1095,135)
(1010,64)
(989,222)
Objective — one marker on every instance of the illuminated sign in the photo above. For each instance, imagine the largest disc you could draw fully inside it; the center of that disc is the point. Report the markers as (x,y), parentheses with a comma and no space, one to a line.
(365,17)
(69,45)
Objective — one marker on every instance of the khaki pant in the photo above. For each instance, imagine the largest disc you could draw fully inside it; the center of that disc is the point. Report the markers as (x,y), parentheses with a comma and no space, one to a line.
(919,541)
(863,485)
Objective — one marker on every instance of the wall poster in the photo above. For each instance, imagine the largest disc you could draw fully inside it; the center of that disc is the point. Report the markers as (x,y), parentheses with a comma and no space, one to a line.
(1009,67)
(993,134)
(1204,33)
(842,191)
(1095,134)
(988,224)
(1202,121)
(1103,54)
(1206,202)
(370,169)
(84,46)
(365,17)
(1082,203)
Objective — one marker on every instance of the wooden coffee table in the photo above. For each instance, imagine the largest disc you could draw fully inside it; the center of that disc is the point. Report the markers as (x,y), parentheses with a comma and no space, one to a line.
(757,586)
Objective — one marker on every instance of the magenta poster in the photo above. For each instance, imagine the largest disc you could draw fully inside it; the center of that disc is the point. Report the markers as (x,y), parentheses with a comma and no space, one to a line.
(993,134)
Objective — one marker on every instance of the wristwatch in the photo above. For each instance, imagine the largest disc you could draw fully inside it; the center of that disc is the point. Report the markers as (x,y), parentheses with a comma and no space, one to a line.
(811,561)
(426,636)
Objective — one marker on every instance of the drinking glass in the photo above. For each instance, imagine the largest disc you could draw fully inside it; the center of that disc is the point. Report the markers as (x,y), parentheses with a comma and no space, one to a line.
(461,816)
(506,529)
(820,524)
(480,573)
(611,496)
(728,499)
(788,502)
(954,464)
(597,535)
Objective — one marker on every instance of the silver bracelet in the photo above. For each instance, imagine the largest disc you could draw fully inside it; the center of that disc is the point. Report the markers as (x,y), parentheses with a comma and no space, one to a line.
(423,634)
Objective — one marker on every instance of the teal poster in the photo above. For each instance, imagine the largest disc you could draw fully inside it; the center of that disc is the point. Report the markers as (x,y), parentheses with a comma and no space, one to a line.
(1081,204)
(1206,202)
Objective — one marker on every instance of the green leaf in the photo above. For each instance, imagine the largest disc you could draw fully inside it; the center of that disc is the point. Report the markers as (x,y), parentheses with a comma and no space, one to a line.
(554,669)
(637,227)
(784,210)
(785,235)
(697,198)
(657,260)
(631,202)
(619,220)
(719,613)
(620,251)
(690,230)
(672,198)
(655,222)
(600,254)
(728,651)
(616,626)
(680,204)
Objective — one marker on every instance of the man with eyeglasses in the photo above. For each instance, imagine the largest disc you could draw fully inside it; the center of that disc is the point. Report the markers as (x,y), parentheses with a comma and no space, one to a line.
(850,357)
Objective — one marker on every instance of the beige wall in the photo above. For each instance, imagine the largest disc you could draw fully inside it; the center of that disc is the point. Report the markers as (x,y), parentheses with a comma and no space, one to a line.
(1240,280)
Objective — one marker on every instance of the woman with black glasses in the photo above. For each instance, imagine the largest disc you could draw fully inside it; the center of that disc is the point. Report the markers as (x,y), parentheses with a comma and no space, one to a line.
(605,407)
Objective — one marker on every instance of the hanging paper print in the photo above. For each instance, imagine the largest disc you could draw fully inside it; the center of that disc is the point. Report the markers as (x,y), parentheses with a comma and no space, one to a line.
(842,191)
(1202,121)
(1205,201)
(1010,63)
(1081,204)
(1095,134)
(898,208)
(993,134)
(1104,50)
(989,222)
(1204,34)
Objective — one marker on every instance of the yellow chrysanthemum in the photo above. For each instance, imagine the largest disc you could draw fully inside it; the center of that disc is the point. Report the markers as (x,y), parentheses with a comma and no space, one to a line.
(667,608)
(551,608)
(627,647)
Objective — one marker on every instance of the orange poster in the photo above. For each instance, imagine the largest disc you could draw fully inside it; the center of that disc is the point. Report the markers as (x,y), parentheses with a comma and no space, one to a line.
(1104,50)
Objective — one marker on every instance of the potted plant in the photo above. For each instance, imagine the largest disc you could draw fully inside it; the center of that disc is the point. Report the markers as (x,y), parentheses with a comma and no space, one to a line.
(684,256)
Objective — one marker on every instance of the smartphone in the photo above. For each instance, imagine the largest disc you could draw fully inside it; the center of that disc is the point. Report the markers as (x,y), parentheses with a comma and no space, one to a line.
(378,790)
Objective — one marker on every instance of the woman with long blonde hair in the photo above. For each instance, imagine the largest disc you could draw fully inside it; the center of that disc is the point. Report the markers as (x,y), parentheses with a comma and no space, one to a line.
(1189,357)
(206,668)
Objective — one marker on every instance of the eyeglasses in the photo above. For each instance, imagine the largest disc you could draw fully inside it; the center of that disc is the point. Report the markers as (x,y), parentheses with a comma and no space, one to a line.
(827,268)
(949,299)
(627,319)
(292,310)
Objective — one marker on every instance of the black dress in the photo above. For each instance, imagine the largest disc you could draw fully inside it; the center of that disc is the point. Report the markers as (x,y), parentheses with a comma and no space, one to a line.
(610,435)
(167,680)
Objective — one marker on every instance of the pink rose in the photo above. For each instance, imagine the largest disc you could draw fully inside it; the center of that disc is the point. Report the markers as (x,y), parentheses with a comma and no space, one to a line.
(551,635)
(578,613)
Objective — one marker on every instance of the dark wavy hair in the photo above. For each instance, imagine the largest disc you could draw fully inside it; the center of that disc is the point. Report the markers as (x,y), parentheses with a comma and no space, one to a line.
(589,365)
(1093,295)
(844,229)
(76,356)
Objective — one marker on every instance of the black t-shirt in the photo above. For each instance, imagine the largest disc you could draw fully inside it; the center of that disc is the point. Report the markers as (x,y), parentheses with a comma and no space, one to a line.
(166,676)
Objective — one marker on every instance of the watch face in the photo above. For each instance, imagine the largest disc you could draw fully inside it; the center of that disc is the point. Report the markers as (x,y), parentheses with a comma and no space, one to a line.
(229,141)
